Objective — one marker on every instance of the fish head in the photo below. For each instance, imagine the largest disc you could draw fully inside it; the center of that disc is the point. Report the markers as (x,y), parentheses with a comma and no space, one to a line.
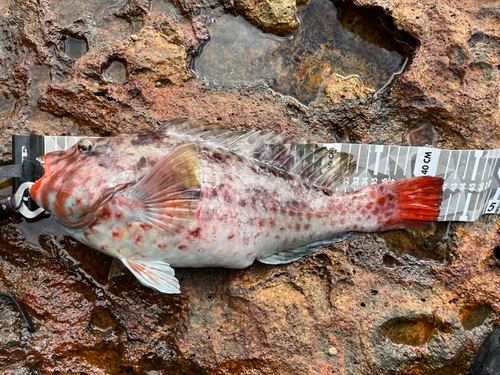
(79,181)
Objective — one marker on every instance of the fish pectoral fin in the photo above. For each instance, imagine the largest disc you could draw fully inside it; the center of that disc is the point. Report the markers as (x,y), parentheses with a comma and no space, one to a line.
(169,194)
(291,255)
(154,274)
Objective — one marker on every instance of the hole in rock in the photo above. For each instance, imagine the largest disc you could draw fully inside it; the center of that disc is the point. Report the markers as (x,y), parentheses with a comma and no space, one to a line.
(390,261)
(102,320)
(496,252)
(475,317)
(115,72)
(411,332)
(334,38)
(74,47)
(421,244)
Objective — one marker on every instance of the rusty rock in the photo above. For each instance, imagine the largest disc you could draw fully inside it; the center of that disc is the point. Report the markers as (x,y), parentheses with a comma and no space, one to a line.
(406,302)
(272,16)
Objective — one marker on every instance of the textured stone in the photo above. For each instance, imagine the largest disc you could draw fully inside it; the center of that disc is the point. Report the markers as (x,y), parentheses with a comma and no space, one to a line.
(406,302)
(272,16)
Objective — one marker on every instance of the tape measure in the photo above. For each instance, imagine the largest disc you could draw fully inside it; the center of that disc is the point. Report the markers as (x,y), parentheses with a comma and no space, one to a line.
(471,177)
(471,185)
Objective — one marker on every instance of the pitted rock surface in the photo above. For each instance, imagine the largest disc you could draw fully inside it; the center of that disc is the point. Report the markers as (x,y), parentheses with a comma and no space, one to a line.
(406,302)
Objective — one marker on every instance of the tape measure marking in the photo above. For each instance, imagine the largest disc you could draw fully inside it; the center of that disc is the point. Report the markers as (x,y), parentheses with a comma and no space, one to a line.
(471,177)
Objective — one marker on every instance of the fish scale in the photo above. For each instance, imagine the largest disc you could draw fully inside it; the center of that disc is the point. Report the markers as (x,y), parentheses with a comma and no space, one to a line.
(194,194)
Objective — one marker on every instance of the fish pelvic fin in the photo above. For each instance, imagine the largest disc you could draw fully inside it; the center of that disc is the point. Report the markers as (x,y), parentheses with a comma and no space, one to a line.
(418,202)
(154,274)
(316,165)
(168,197)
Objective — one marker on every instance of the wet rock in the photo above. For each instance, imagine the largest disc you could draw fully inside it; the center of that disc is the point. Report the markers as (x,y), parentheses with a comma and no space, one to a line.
(336,89)
(272,16)
(406,302)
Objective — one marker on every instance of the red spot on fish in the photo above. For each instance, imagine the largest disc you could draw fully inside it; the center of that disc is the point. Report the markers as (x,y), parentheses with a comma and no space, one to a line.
(231,237)
(363,212)
(182,247)
(118,234)
(355,226)
(369,205)
(262,223)
(272,223)
(138,240)
(381,201)
(375,211)
(277,237)
(106,213)
(308,216)
(297,227)
(144,227)
(104,247)
(249,255)
(195,233)
(307,226)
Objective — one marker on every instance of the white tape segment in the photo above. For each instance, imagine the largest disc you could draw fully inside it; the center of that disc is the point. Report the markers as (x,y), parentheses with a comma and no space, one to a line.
(471,177)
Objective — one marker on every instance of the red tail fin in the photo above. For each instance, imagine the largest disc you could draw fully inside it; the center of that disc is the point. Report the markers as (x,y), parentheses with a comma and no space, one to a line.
(418,200)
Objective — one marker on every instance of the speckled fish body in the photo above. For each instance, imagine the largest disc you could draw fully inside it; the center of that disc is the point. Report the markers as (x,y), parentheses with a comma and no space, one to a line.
(193,194)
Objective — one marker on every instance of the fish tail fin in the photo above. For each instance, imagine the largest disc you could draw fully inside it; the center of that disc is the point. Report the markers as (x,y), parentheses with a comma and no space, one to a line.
(417,202)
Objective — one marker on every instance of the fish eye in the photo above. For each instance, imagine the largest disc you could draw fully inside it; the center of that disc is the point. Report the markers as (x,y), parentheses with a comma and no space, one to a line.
(84,146)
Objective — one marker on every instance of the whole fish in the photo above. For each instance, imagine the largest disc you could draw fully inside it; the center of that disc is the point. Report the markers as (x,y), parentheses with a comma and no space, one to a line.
(195,194)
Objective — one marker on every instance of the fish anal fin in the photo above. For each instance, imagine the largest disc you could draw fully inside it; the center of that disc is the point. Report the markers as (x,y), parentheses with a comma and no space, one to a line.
(291,255)
(154,274)
(168,196)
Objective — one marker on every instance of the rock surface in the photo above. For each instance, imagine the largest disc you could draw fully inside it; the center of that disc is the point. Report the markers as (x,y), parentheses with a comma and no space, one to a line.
(406,302)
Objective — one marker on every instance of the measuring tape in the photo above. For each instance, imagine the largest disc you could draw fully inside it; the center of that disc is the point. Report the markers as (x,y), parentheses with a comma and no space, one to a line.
(471,177)
(471,185)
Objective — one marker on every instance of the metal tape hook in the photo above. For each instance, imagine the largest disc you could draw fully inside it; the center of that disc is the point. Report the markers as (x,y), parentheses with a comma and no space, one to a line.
(19,203)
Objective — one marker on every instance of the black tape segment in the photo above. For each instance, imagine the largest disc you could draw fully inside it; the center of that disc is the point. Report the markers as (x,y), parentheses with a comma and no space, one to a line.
(10,171)
(28,172)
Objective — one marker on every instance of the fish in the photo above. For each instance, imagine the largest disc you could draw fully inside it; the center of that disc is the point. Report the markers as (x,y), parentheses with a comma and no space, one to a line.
(196,194)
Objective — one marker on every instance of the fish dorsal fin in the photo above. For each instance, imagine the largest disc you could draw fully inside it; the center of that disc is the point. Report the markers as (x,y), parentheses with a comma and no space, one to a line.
(315,164)
(168,196)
